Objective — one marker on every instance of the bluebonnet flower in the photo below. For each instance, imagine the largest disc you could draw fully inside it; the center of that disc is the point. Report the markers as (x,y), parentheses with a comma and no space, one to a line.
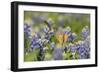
(26,26)
(49,23)
(48,35)
(82,50)
(87,43)
(72,37)
(45,30)
(87,46)
(36,42)
(44,41)
(71,47)
(67,31)
(57,54)
(85,32)
(27,30)
(51,33)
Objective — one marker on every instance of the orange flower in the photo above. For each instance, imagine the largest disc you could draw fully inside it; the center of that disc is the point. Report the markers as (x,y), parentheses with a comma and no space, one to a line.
(65,38)
(59,37)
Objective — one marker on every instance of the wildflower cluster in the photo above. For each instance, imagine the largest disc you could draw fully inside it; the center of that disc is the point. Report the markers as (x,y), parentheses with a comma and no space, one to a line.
(57,44)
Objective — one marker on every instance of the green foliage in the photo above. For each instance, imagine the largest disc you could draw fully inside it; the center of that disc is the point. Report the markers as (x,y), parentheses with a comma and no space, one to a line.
(32,56)
(53,38)
(26,43)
